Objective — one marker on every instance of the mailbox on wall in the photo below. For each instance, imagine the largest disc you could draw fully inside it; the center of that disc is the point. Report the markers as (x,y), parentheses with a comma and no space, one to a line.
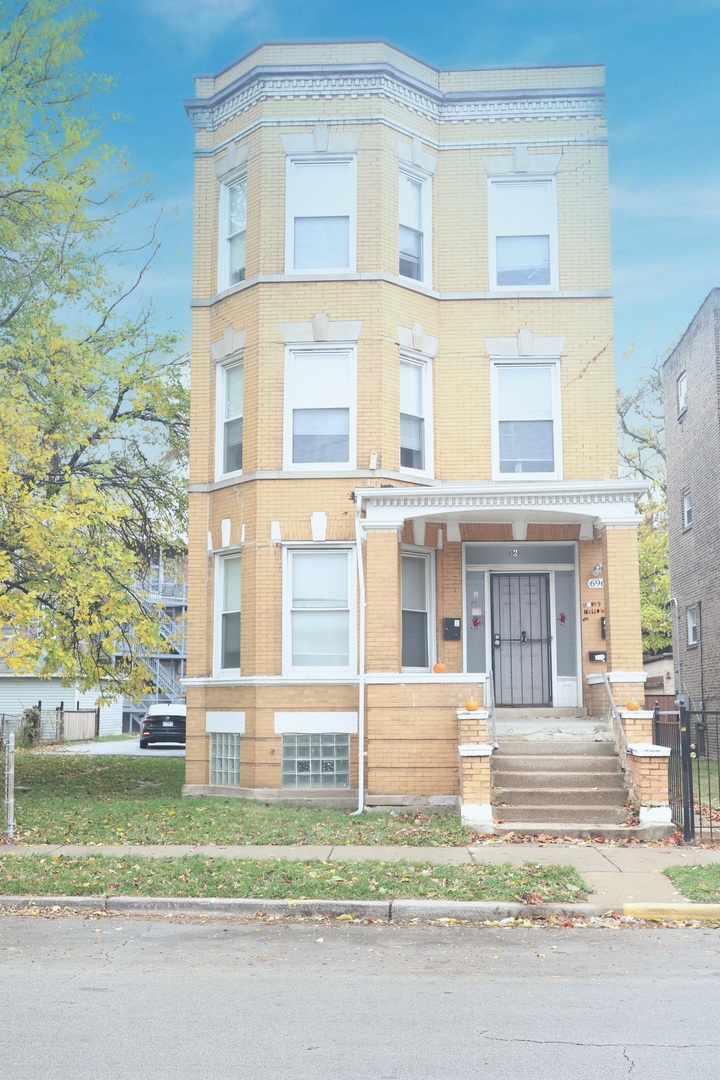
(451,629)
(601,656)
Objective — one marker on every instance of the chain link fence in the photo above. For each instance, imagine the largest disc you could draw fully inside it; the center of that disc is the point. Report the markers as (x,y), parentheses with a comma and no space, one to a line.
(7,770)
(33,727)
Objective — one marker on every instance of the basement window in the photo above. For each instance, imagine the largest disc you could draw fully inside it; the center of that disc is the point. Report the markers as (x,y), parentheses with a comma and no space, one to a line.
(314,761)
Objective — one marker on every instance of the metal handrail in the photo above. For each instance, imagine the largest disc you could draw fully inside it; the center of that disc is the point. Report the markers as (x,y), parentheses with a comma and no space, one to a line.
(491,708)
(620,738)
(614,710)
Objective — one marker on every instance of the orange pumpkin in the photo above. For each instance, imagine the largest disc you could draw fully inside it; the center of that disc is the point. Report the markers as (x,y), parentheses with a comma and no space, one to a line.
(439,667)
(632,705)
(472,705)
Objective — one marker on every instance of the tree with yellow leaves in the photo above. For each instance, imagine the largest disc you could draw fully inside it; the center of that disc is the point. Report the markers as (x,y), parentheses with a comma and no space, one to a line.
(641,427)
(93,407)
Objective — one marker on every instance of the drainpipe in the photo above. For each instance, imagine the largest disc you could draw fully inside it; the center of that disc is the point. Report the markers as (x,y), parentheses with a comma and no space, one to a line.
(679,689)
(361,661)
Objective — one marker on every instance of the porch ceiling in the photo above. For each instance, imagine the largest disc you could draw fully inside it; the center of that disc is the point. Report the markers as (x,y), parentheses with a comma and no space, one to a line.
(598,503)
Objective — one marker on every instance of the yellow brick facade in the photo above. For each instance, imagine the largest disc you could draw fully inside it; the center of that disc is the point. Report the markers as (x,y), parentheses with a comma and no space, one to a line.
(456,131)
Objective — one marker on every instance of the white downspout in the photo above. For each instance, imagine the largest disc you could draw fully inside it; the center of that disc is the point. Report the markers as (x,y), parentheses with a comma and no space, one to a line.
(361,661)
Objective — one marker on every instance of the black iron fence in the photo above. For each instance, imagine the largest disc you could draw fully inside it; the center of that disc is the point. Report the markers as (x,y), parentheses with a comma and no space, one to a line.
(693,736)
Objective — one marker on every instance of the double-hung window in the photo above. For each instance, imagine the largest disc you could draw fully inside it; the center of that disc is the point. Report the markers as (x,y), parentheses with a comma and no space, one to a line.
(523,234)
(526,406)
(230,418)
(320,408)
(415,415)
(227,613)
(687,509)
(319,599)
(414,234)
(416,610)
(693,629)
(682,392)
(233,226)
(321,214)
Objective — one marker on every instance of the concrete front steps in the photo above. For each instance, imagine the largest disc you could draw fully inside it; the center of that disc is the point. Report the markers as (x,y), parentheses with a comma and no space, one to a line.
(562,779)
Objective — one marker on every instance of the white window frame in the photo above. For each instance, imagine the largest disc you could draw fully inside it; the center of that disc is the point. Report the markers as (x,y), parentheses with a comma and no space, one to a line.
(428,556)
(553,363)
(292,211)
(493,184)
(693,626)
(221,561)
(425,363)
(682,392)
(291,352)
(425,182)
(289,669)
(687,509)
(224,236)
(221,371)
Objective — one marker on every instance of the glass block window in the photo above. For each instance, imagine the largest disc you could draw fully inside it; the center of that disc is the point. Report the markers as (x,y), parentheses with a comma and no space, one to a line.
(225,759)
(315,761)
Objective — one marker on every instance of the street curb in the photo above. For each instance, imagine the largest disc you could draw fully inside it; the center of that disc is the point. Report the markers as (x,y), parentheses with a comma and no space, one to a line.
(485,910)
(711,912)
(474,911)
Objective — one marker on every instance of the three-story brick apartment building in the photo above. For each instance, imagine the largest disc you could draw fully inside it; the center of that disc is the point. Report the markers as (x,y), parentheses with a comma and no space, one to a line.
(691,394)
(403,419)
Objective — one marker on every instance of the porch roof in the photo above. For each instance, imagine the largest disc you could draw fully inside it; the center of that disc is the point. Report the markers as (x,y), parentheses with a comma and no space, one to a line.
(590,503)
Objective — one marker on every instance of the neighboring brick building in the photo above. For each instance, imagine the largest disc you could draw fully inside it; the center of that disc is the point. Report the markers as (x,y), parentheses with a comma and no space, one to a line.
(402,347)
(691,391)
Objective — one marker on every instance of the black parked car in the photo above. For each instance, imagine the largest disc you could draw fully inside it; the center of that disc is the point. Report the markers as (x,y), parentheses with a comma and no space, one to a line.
(163,723)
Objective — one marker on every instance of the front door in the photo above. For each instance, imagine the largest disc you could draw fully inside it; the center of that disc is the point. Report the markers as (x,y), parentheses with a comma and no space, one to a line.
(520,615)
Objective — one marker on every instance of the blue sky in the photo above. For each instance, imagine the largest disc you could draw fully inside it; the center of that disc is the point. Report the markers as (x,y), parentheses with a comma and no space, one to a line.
(663,102)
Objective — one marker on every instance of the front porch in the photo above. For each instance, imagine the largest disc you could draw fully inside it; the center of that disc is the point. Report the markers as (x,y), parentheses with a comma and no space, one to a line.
(487,607)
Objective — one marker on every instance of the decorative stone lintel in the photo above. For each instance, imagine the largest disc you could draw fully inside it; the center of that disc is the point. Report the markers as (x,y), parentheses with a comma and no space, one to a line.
(233,160)
(320,328)
(477,814)
(231,343)
(647,749)
(521,161)
(322,139)
(525,344)
(659,814)
(415,154)
(415,339)
(475,749)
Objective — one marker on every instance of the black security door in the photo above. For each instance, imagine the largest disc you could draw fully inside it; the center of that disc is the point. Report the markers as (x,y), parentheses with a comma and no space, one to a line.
(520,610)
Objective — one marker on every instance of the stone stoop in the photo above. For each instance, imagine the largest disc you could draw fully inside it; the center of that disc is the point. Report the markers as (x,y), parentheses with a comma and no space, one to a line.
(545,780)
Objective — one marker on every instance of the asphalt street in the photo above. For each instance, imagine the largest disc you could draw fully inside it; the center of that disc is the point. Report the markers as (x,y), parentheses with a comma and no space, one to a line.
(112,997)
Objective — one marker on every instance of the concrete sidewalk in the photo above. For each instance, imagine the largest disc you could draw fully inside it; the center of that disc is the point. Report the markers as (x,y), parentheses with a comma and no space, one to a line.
(627,880)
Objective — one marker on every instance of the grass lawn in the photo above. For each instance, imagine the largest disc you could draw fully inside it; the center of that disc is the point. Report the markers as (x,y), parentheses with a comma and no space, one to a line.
(78,799)
(697,882)
(281,879)
(705,782)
